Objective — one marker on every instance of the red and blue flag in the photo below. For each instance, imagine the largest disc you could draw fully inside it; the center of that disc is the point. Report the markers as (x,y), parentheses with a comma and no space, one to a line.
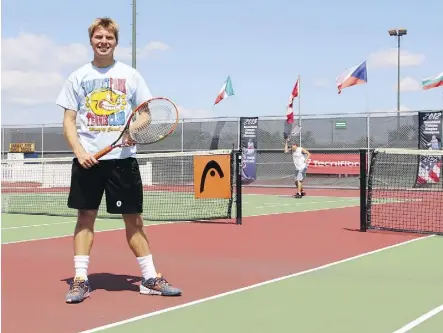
(351,77)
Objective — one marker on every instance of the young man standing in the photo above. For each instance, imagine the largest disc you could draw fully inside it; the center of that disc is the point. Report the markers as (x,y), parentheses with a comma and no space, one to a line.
(299,156)
(100,95)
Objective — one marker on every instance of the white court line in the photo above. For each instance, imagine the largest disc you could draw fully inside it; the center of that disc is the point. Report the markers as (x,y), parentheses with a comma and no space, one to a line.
(173,222)
(42,225)
(275,204)
(306,202)
(318,196)
(96,231)
(36,225)
(420,320)
(235,291)
(310,196)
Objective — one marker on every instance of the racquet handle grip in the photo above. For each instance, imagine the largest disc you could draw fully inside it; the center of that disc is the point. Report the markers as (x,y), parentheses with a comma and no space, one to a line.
(102,152)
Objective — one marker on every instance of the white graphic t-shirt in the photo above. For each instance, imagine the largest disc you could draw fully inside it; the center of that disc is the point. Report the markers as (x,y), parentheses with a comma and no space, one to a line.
(103,99)
(299,159)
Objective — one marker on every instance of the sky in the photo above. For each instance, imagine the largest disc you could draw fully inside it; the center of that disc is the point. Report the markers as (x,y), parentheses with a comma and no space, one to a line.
(187,49)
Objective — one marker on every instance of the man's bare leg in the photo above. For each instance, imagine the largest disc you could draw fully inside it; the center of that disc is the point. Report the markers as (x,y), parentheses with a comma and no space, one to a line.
(139,244)
(299,192)
(84,232)
(135,235)
(300,188)
(152,282)
(83,240)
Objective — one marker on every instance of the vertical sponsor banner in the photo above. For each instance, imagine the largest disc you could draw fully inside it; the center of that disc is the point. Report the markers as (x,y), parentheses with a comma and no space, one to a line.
(248,142)
(429,137)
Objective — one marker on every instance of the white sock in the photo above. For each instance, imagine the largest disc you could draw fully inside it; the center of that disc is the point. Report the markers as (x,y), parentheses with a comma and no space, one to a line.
(81,266)
(147,267)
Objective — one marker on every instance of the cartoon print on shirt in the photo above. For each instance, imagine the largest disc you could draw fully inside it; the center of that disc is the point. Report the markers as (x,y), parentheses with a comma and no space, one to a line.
(106,102)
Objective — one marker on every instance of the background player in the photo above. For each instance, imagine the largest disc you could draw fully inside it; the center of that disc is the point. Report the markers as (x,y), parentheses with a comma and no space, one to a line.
(300,157)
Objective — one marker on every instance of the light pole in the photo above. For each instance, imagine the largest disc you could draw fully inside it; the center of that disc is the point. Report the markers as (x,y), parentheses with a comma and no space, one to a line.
(134,33)
(398,33)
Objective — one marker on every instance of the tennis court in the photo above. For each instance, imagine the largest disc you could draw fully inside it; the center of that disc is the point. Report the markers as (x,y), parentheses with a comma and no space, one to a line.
(291,265)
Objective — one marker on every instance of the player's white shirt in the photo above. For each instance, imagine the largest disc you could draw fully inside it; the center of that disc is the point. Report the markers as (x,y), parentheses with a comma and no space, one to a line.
(299,158)
(103,99)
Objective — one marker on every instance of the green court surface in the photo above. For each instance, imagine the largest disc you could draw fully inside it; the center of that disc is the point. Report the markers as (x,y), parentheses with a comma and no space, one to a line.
(433,324)
(159,203)
(385,290)
(20,227)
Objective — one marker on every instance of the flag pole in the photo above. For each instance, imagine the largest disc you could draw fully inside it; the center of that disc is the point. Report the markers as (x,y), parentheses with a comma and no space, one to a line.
(299,110)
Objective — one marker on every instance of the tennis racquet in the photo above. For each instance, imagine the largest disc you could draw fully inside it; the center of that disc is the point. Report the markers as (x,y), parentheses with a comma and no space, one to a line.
(150,122)
(289,131)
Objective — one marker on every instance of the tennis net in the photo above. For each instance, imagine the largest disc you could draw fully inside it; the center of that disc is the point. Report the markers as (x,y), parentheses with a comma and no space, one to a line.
(174,187)
(405,191)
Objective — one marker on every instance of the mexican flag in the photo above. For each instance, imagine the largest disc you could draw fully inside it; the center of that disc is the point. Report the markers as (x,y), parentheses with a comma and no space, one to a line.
(225,91)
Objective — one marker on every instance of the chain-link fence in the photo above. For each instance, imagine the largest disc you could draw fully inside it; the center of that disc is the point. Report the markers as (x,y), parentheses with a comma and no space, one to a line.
(330,135)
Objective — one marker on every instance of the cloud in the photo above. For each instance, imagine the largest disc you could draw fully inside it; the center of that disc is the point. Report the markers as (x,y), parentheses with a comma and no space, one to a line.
(35,77)
(125,53)
(42,54)
(31,87)
(408,84)
(388,58)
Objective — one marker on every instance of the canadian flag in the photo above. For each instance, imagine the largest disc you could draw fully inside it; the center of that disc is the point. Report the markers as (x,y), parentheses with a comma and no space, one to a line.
(290,109)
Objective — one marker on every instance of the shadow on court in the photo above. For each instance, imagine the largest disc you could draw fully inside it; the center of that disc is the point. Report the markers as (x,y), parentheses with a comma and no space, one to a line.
(111,282)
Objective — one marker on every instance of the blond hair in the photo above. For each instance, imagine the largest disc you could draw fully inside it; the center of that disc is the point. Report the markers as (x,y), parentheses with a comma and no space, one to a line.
(105,23)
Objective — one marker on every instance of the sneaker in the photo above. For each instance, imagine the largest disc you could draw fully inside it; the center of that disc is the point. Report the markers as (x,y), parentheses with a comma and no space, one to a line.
(158,286)
(297,195)
(303,193)
(78,291)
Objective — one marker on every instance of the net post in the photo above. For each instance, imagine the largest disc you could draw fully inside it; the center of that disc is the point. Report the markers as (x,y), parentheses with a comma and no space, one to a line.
(238,187)
(363,179)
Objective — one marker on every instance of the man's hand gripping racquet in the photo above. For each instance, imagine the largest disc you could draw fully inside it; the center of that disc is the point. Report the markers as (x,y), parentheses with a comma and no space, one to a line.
(150,122)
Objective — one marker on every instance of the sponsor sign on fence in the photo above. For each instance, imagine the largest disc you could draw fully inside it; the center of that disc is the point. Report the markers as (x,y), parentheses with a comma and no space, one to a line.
(334,164)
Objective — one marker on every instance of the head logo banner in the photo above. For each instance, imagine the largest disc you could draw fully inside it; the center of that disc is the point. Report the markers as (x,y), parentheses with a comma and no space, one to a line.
(429,137)
(212,177)
(248,141)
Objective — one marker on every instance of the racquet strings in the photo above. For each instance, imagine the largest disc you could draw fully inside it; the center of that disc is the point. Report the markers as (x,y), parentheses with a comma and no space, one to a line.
(291,130)
(296,129)
(152,121)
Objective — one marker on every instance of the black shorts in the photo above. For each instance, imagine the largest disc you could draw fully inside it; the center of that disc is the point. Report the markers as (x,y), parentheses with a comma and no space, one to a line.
(119,179)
